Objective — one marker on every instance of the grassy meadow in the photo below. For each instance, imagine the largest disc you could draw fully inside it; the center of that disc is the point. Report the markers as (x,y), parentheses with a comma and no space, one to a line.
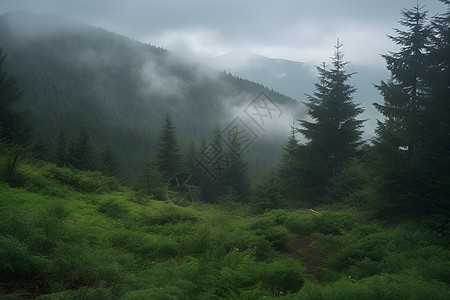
(68,234)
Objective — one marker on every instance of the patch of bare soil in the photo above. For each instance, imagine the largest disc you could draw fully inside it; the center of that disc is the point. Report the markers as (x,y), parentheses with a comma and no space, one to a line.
(313,259)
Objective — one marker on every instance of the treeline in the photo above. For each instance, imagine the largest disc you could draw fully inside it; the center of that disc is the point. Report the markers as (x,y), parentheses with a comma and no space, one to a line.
(404,170)
(118,88)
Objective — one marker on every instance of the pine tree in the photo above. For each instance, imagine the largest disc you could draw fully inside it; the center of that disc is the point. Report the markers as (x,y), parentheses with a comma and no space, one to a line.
(334,134)
(149,181)
(61,149)
(13,124)
(288,170)
(191,154)
(236,175)
(405,93)
(436,139)
(169,158)
(399,161)
(82,153)
(109,160)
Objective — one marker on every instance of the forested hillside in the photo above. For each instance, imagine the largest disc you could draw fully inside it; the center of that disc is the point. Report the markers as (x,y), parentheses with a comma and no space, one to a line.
(337,217)
(73,75)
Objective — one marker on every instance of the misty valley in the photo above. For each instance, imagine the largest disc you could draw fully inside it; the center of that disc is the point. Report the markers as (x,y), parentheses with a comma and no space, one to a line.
(128,171)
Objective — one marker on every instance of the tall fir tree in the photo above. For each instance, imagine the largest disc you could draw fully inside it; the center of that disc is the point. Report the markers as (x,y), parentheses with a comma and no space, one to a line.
(149,180)
(236,175)
(404,94)
(13,125)
(288,170)
(436,136)
(83,152)
(109,160)
(169,158)
(61,149)
(400,164)
(334,134)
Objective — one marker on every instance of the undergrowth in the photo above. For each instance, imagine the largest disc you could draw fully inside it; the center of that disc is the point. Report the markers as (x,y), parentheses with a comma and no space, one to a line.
(68,234)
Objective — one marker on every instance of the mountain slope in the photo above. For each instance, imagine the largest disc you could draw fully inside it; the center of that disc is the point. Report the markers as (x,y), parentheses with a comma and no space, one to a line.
(289,77)
(295,79)
(76,75)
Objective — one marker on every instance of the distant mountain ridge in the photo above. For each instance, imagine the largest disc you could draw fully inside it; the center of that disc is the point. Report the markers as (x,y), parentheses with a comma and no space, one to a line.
(289,77)
(296,79)
(76,75)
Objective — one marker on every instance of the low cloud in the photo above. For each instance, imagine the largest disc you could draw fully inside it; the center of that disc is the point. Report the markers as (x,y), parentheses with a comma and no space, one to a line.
(156,80)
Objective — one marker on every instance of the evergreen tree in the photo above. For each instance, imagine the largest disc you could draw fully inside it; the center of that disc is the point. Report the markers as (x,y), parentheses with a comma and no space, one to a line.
(405,93)
(436,135)
(236,175)
(407,142)
(149,181)
(214,162)
(191,154)
(82,153)
(169,158)
(61,149)
(288,170)
(334,134)
(13,124)
(110,164)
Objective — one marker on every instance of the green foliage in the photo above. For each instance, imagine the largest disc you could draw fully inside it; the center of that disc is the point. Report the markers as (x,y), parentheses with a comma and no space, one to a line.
(169,158)
(85,182)
(150,181)
(13,124)
(409,164)
(335,134)
(106,245)
(114,209)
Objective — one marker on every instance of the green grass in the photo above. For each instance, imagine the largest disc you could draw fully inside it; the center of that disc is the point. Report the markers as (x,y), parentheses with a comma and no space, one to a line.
(68,234)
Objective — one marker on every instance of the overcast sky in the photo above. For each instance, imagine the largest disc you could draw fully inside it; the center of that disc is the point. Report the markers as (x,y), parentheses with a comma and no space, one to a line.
(301,30)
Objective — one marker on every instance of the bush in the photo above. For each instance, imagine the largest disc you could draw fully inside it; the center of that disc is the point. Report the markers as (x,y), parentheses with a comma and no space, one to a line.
(17,261)
(167,215)
(84,181)
(114,208)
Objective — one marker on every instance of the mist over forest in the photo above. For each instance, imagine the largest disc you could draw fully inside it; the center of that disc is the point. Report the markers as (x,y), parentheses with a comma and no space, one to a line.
(128,171)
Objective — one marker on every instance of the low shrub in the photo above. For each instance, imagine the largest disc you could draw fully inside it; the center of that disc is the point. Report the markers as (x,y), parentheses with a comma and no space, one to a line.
(114,208)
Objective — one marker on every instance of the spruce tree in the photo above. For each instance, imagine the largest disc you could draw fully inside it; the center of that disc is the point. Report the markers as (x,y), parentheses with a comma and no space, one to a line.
(399,162)
(169,158)
(436,135)
(149,181)
(13,125)
(334,134)
(82,152)
(109,160)
(405,93)
(288,170)
(61,149)
(236,175)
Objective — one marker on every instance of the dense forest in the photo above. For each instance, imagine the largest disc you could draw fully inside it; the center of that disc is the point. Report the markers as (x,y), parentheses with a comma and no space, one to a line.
(115,189)
(74,77)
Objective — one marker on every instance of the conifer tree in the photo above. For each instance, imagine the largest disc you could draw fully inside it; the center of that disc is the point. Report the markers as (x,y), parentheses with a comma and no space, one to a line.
(405,93)
(82,154)
(398,162)
(110,164)
(13,125)
(334,134)
(61,149)
(150,181)
(169,158)
(288,170)
(236,175)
